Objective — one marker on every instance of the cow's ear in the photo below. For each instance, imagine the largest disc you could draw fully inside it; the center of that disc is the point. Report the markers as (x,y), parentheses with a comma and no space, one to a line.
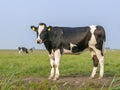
(49,28)
(33,28)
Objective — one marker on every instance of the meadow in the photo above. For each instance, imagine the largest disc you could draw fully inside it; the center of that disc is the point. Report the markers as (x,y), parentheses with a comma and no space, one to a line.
(30,71)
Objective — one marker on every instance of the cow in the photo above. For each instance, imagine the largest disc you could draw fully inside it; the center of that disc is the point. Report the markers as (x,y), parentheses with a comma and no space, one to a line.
(22,49)
(31,49)
(61,40)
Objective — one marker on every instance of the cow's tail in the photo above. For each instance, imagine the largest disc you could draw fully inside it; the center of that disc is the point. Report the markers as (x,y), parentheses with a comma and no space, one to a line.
(104,48)
(104,43)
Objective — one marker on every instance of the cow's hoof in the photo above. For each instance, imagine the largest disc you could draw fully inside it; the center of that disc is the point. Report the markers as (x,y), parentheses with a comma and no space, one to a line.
(91,77)
(55,79)
(100,77)
(50,78)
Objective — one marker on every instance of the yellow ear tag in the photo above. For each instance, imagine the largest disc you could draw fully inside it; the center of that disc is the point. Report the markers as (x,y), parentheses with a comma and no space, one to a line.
(49,29)
(33,28)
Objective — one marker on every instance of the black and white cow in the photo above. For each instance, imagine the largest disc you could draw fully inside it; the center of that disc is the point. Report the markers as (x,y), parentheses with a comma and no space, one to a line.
(22,49)
(60,40)
(31,49)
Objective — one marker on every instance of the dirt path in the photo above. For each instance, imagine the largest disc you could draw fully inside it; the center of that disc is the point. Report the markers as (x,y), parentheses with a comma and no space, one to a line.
(73,83)
(76,81)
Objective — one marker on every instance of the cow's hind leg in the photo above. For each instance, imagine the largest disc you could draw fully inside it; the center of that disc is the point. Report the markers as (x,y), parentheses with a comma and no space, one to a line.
(95,63)
(98,57)
(101,61)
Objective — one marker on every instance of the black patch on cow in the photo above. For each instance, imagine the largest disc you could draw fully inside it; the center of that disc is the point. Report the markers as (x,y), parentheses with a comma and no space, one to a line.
(83,43)
(95,60)
(100,38)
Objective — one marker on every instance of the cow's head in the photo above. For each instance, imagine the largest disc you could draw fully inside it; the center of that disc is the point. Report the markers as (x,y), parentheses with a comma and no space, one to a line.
(41,31)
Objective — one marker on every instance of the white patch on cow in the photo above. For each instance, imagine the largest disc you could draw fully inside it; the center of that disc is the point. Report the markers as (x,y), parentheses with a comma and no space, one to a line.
(93,72)
(101,61)
(38,38)
(93,28)
(40,29)
(92,41)
(20,51)
(72,45)
(101,66)
(57,61)
(52,63)
(52,68)
(65,51)
(92,53)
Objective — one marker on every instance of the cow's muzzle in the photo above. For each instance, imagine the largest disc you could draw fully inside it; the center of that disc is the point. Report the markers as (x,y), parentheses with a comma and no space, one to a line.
(39,41)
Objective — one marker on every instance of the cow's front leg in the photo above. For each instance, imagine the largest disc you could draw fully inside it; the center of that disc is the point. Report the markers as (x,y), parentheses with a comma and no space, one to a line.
(57,61)
(52,63)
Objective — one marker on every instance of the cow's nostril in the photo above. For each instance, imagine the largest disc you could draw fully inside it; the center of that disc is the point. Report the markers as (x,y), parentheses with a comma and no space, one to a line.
(39,41)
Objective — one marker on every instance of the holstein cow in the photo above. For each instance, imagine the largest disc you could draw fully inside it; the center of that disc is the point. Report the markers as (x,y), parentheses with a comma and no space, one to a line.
(31,49)
(22,49)
(60,40)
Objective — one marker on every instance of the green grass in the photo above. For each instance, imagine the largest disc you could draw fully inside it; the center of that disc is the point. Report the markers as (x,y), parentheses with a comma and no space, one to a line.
(36,64)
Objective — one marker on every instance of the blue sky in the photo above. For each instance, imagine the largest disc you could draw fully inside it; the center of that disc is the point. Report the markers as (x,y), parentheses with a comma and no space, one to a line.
(16,17)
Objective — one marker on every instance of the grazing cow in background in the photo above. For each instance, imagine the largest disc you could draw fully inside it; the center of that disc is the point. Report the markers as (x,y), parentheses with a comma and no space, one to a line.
(60,40)
(31,49)
(22,49)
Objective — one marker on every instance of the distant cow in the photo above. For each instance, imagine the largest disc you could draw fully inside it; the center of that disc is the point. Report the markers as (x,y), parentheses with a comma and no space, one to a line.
(60,40)
(31,49)
(22,49)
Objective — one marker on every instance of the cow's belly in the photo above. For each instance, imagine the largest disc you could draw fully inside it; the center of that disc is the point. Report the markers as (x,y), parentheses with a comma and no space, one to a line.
(72,49)
(65,51)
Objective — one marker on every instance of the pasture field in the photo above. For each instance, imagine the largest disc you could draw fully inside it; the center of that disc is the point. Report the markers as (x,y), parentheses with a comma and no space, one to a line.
(30,71)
